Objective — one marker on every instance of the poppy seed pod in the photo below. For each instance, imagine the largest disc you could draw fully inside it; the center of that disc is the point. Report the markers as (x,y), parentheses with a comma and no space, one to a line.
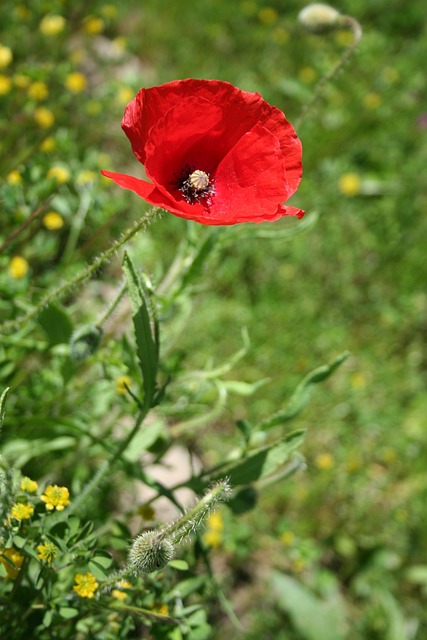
(150,552)
(319,17)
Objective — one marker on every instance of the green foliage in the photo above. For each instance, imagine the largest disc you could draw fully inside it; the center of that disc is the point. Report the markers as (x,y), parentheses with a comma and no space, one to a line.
(346,534)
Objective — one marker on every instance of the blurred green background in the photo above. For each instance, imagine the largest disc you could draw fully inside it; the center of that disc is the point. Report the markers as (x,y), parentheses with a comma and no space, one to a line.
(352,528)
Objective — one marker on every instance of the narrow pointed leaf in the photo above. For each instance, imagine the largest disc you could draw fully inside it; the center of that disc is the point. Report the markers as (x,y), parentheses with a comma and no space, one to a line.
(147,348)
(302,393)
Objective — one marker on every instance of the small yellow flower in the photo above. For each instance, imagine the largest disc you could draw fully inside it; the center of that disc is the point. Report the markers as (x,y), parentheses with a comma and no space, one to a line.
(44,117)
(76,82)
(161,608)
(52,25)
(56,497)
(120,593)
(121,383)
(86,585)
(22,511)
(18,267)
(268,16)
(20,80)
(28,485)
(61,174)
(109,11)
(307,74)
(215,522)
(324,461)
(14,177)
(5,85)
(358,380)
(280,35)
(52,221)
(125,95)
(47,551)
(288,538)
(38,91)
(48,145)
(372,100)
(212,538)
(5,56)
(349,184)
(14,556)
(93,25)
(86,177)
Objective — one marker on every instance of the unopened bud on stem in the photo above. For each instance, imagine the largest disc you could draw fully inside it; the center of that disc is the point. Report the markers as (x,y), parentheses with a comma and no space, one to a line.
(319,18)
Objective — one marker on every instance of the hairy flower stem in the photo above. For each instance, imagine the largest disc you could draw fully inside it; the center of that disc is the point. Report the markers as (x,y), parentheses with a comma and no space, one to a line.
(343,22)
(84,274)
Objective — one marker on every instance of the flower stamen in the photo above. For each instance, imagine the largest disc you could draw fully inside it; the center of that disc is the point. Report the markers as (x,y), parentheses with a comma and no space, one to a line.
(195,185)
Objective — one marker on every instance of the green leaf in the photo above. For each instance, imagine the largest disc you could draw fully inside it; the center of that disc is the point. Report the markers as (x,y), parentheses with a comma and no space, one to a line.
(97,571)
(313,618)
(20,452)
(3,405)
(68,612)
(179,565)
(302,393)
(262,462)
(3,572)
(103,559)
(56,324)
(146,329)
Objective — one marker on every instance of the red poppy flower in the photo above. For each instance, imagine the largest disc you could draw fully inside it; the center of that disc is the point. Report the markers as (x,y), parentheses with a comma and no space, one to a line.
(214,154)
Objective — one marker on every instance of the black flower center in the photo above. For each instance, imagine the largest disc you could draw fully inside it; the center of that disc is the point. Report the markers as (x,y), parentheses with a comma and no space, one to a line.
(195,185)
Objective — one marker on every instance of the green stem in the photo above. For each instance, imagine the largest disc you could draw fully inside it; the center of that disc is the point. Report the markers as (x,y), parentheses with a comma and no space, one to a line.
(112,306)
(344,22)
(84,274)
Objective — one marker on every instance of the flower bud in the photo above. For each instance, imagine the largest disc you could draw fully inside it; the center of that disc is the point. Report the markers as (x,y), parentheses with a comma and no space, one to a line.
(84,341)
(150,552)
(319,17)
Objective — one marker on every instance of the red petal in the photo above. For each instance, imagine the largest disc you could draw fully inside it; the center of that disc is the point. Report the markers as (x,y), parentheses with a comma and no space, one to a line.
(250,181)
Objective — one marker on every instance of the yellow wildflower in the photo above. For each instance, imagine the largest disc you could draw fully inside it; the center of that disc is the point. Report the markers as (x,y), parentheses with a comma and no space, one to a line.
(93,25)
(14,177)
(18,267)
(56,497)
(52,221)
(109,11)
(85,177)
(76,82)
(268,16)
(161,608)
(120,592)
(86,585)
(48,145)
(61,174)
(20,80)
(121,383)
(47,551)
(52,25)
(5,85)
(215,522)
(44,117)
(28,485)
(125,95)
(349,184)
(307,74)
(38,90)
(13,556)
(22,511)
(214,528)
(288,538)
(5,56)
(324,461)
(372,100)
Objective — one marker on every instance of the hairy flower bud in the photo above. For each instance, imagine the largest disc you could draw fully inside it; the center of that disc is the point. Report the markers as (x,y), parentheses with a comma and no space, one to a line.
(150,552)
(319,17)
(84,341)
